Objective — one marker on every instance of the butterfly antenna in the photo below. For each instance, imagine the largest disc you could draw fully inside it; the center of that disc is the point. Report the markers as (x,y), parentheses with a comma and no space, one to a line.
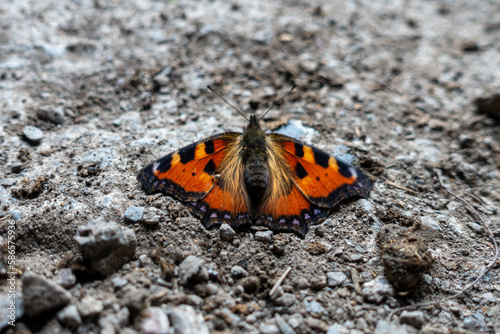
(223,99)
(277,102)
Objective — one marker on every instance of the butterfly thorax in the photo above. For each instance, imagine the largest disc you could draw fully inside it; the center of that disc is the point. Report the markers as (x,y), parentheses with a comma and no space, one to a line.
(256,174)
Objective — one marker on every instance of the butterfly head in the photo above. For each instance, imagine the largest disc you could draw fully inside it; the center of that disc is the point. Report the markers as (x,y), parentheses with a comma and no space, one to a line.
(253,122)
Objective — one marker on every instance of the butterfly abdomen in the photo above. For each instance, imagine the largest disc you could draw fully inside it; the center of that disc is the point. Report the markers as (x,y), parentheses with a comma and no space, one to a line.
(256,178)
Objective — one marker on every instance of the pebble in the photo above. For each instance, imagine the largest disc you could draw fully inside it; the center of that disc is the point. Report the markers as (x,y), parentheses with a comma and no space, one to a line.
(341,152)
(69,316)
(286,299)
(430,222)
(475,227)
(337,329)
(65,278)
(133,214)
(119,283)
(155,321)
(89,306)
(266,328)
(489,297)
(279,248)
(264,236)
(151,216)
(133,298)
(475,322)
(295,320)
(145,260)
(53,115)
(106,245)
(186,320)
(283,326)
(365,205)
(238,272)
(377,290)
(296,129)
(335,278)
(191,270)
(17,167)
(300,283)
(315,307)
(41,295)
(319,231)
(226,232)
(386,327)
(489,105)
(412,318)
(250,284)
(33,134)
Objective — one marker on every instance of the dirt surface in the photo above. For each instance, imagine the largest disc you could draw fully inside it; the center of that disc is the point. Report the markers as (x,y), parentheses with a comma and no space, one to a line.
(114,85)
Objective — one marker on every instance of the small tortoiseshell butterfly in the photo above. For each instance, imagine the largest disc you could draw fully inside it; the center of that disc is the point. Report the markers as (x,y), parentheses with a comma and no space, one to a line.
(255,178)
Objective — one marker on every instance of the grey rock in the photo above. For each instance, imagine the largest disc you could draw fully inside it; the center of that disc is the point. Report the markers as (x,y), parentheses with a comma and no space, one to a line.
(412,318)
(106,245)
(65,278)
(315,307)
(286,299)
(226,232)
(335,278)
(387,327)
(267,328)
(283,326)
(42,295)
(106,157)
(296,129)
(32,134)
(89,306)
(186,320)
(341,152)
(475,322)
(264,236)
(119,283)
(145,260)
(295,320)
(366,205)
(133,298)
(155,321)
(337,329)
(114,322)
(133,214)
(69,316)
(377,290)
(191,270)
(53,115)
(238,272)
(475,227)
(430,222)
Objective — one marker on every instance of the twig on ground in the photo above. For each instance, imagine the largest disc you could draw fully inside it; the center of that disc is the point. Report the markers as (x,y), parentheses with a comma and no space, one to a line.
(355,280)
(484,270)
(395,185)
(279,282)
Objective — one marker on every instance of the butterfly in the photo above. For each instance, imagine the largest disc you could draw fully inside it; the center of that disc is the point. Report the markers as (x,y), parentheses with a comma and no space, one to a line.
(255,178)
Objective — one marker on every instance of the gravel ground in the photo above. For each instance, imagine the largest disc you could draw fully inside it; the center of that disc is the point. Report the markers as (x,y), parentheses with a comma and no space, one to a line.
(92,91)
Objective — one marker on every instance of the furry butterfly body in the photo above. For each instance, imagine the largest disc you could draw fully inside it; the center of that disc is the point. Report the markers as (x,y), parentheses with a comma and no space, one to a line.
(255,178)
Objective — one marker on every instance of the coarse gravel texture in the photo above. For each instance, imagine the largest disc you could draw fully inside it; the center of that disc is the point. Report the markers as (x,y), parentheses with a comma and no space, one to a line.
(92,91)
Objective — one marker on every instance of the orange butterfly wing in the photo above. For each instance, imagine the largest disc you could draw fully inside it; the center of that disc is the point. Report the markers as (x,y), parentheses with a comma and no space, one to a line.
(190,175)
(320,182)
(323,179)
